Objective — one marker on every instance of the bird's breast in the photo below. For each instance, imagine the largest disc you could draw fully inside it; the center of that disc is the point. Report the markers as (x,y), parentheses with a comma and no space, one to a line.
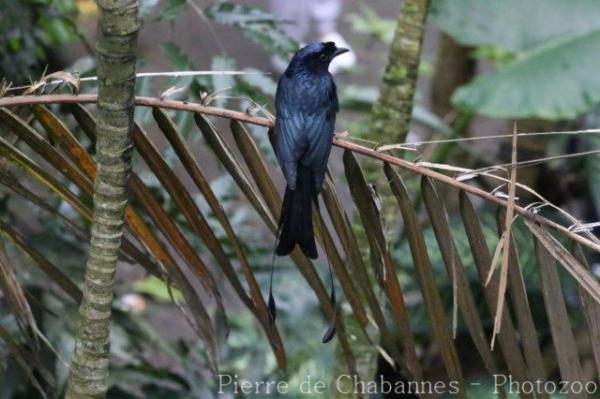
(308,93)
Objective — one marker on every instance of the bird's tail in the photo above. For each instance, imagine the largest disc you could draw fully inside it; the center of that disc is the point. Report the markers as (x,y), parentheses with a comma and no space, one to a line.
(295,222)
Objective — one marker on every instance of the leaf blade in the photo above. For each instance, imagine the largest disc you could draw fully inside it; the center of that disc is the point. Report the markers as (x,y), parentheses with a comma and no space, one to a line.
(494,95)
(439,220)
(426,278)
(558,318)
(384,267)
(192,167)
(507,337)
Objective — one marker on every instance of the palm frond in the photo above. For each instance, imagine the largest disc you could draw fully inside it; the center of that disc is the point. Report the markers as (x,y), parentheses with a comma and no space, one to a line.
(166,246)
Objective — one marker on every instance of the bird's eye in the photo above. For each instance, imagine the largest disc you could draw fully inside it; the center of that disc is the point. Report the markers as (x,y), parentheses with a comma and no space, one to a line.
(322,57)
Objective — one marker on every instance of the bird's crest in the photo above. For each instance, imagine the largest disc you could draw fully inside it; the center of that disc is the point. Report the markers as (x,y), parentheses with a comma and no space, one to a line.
(329,47)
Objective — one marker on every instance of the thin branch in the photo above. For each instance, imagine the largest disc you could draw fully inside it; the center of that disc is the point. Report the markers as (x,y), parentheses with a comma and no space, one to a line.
(537,161)
(479,138)
(177,74)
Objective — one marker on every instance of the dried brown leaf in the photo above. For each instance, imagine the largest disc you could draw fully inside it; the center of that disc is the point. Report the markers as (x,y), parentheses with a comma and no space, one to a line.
(193,168)
(465,299)
(591,310)
(70,145)
(507,336)
(385,268)
(583,276)
(54,273)
(558,317)
(510,210)
(305,266)
(426,278)
(522,311)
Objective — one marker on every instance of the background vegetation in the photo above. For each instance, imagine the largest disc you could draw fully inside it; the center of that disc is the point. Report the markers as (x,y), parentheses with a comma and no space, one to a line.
(475,76)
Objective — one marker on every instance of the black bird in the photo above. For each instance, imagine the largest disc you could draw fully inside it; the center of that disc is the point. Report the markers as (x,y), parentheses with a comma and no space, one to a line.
(306,104)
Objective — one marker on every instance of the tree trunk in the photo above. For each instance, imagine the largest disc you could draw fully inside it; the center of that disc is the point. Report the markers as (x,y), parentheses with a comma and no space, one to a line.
(116,54)
(392,112)
(391,115)
(454,67)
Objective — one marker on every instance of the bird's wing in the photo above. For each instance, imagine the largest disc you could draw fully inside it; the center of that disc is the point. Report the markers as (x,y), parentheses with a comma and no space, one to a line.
(319,131)
(290,145)
(301,135)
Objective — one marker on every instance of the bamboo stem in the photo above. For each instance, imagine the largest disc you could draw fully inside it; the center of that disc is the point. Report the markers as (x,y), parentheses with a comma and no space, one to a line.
(116,52)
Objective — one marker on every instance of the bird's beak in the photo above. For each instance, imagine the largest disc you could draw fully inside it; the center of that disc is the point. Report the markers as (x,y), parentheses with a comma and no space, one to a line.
(340,51)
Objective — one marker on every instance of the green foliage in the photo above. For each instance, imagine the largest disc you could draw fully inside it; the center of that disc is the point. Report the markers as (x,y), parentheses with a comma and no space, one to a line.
(150,362)
(146,7)
(497,55)
(176,56)
(369,23)
(247,92)
(514,25)
(172,9)
(260,27)
(361,99)
(546,53)
(557,81)
(29,31)
(157,289)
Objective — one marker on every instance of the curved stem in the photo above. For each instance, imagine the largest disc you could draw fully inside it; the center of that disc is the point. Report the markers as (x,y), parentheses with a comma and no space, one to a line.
(338,142)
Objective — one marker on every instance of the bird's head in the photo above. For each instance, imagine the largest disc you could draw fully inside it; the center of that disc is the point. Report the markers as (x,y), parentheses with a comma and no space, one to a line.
(315,57)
